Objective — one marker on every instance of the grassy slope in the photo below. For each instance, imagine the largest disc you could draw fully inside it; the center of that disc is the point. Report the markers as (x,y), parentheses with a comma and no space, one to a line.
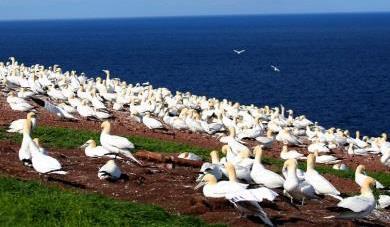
(66,138)
(25,203)
(71,138)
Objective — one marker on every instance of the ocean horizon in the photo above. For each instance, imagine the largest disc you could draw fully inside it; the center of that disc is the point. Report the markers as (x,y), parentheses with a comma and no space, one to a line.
(334,67)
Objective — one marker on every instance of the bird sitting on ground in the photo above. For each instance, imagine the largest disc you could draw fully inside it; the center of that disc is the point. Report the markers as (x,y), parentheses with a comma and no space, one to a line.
(116,144)
(361,205)
(109,171)
(17,125)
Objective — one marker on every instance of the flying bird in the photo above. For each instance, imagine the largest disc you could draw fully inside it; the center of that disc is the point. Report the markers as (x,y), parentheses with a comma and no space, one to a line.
(275,68)
(239,51)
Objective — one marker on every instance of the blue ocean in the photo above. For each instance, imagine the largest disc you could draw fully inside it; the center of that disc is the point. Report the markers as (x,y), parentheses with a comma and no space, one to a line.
(334,68)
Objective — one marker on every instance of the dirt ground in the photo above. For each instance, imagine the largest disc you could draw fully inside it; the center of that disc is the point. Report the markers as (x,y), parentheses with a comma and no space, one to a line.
(172,186)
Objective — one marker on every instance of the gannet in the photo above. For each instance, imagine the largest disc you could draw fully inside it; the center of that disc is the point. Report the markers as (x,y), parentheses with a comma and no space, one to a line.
(55,94)
(383,201)
(235,146)
(293,187)
(102,115)
(239,51)
(67,108)
(360,177)
(18,104)
(43,163)
(24,94)
(116,144)
(189,156)
(285,137)
(85,110)
(318,146)
(360,205)
(275,68)
(91,150)
(293,154)
(242,166)
(325,159)
(356,151)
(214,189)
(24,151)
(214,168)
(17,125)
(340,166)
(261,175)
(41,149)
(267,140)
(50,107)
(385,159)
(109,171)
(247,202)
(319,183)
(150,122)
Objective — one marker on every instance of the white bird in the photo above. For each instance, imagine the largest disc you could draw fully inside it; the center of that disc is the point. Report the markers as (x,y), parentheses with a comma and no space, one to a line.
(360,177)
(325,159)
(91,150)
(189,156)
(41,149)
(85,110)
(116,144)
(340,166)
(360,205)
(263,176)
(55,94)
(43,163)
(24,151)
(58,111)
(275,68)
(267,140)
(109,171)
(247,202)
(17,125)
(101,115)
(214,168)
(242,166)
(383,201)
(67,108)
(151,123)
(239,51)
(318,146)
(18,104)
(285,137)
(24,94)
(293,187)
(319,183)
(214,189)
(293,154)
(356,151)
(385,159)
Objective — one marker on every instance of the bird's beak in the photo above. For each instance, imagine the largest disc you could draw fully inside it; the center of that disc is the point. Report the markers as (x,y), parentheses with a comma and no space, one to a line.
(84,145)
(199,185)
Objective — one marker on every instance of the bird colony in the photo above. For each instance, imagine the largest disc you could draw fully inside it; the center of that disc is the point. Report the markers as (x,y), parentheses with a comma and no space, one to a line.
(239,176)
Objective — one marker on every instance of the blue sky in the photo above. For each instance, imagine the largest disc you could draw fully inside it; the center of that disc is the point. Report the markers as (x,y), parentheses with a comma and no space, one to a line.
(55,9)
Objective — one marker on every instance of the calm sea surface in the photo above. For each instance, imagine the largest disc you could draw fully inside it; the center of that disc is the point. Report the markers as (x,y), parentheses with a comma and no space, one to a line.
(335,69)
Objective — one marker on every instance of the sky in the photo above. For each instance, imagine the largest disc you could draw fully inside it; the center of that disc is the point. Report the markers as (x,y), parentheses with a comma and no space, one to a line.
(71,9)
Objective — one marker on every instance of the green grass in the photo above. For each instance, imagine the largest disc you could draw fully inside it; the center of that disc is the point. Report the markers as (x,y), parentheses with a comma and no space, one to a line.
(27,203)
(66,138)
(55,137)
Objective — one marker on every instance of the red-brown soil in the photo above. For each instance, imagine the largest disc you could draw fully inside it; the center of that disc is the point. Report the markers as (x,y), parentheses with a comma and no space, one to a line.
(166,185)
